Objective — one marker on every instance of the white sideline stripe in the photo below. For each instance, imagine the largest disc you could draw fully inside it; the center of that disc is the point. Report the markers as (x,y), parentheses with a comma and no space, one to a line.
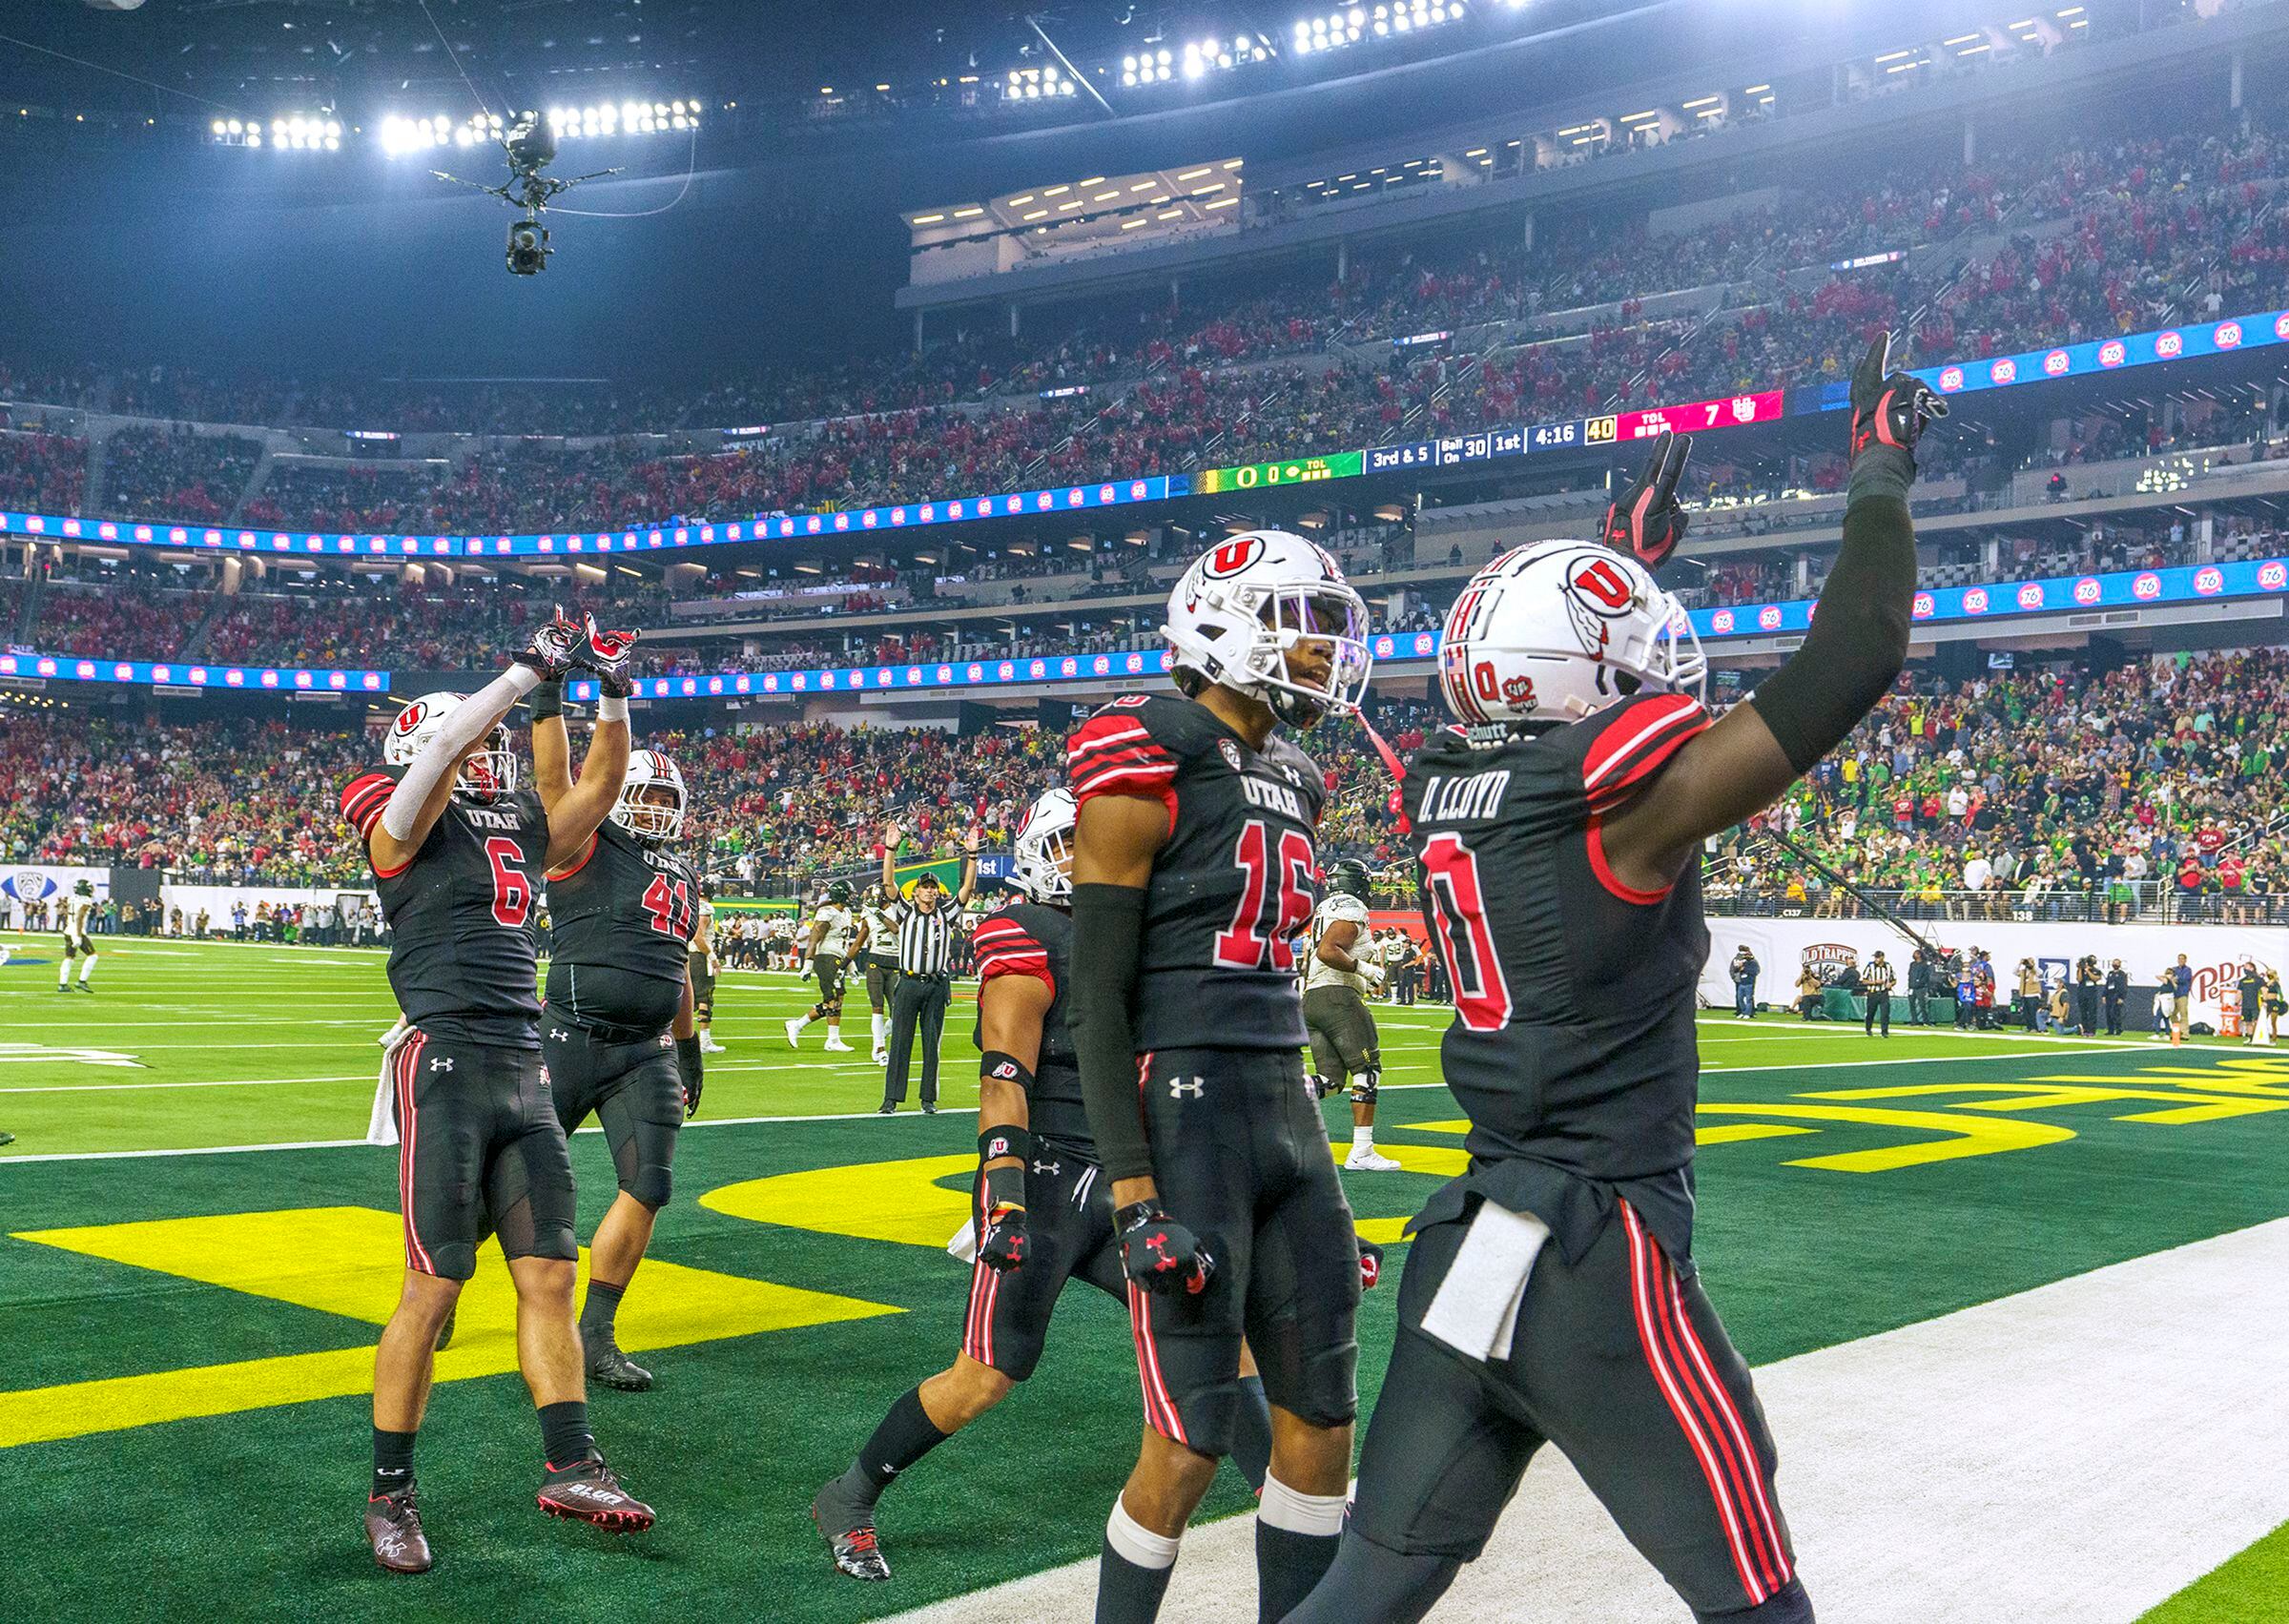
(7,1161)
(2022,1460)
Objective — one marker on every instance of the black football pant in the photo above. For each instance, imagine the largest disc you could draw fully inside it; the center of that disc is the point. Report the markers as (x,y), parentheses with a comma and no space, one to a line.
(917,1002)
(1879,1008)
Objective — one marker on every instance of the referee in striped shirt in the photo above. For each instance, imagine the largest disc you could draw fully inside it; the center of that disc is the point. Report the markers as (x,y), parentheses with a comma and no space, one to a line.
(925,925)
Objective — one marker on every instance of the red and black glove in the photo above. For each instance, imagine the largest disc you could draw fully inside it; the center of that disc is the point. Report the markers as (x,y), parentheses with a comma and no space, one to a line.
(1889,409)
(1371,1264)
(1646,521)
(606,653)
(1161,1254)
(1004,1244)
(554,649)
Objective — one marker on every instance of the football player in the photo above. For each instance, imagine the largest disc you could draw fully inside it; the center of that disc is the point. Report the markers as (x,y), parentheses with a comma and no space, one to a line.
(1043,1214)
(457,851)
(1340,974)
(878,950)
(702,968)
(77,915)
(1193,878)
(1551,1294)
(616,1027)
(834,928)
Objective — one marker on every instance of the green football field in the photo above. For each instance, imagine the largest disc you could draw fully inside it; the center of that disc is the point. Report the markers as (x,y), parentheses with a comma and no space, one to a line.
(197,1251)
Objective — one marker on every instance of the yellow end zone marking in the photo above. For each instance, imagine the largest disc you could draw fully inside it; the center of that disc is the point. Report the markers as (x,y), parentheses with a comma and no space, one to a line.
(868,1201)
(348,1260)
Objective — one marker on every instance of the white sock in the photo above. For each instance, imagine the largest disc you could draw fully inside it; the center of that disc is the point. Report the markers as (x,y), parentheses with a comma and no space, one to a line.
(834,1031)
(1283,1506)
(873,1025)
(1138,1543)
(1363,1138)
(85,965)
(63,977)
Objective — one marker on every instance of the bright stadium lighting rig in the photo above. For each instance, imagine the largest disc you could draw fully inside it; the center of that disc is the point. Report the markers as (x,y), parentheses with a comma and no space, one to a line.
(624,118)
(1206,56)
(1148,68)
(1396,19)
(297,132)
(1032,84)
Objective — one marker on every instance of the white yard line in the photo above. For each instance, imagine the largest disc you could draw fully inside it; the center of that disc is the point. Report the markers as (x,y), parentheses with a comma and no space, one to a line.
(2026,1459)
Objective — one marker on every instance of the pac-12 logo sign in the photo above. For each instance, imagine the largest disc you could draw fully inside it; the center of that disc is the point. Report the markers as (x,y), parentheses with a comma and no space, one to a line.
(1233,556)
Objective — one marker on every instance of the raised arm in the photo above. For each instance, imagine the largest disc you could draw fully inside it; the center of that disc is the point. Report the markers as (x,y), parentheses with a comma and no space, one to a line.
(969,868)
(418,799)
(551,744)
(1847,662)
(891,835)
(577,816)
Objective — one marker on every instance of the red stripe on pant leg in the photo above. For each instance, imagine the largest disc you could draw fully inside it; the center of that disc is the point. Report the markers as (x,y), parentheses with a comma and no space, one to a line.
(1764,1522)
(1739,1470)
(1648,1321)
(1168,1424)
(985,1316)
(969,1325)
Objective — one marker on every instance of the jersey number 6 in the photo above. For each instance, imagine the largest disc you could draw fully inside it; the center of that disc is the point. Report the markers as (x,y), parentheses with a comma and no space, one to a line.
(512,890)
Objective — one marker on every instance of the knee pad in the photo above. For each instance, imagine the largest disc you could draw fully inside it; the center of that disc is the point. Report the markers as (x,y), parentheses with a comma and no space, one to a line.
(1365,1085)
(651,1185)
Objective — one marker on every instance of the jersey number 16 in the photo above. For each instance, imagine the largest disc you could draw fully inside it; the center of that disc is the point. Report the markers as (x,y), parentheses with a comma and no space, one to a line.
(1275,900)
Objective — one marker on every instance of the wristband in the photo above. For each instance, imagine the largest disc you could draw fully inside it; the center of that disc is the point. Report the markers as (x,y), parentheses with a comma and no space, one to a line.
(1007,1141)
(1004,1186)
(612,707)
(549,700)
(1136,1213)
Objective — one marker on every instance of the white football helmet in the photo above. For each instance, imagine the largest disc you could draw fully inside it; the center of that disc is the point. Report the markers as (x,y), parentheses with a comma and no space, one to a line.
(491,769)
(1554,631)
(1042,867)
(648,770)
(1251,598)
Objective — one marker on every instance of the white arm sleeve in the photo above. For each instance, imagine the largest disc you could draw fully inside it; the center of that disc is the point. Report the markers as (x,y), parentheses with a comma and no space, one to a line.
(472,720)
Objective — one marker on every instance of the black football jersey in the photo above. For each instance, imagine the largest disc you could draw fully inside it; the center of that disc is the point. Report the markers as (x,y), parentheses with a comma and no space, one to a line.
(462,959)
(1572,1047)
(1235,886)
(627,909)
(1026,939)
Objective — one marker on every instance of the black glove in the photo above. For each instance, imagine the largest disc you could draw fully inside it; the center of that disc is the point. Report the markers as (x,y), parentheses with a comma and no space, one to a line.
(688,1063)
(1003,1244)
(1371,1263)
(550,649)
(606,653)
(1161,1254)
(1646,523)
(1320,1084)
(1889,409)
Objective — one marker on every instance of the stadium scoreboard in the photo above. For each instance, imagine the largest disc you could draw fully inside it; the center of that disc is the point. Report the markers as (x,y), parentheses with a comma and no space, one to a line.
(1294,471)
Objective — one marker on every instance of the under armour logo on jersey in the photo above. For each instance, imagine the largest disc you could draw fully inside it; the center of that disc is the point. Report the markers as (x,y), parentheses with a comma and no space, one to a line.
(443,1064)
(1179,1087)
(1049,1169)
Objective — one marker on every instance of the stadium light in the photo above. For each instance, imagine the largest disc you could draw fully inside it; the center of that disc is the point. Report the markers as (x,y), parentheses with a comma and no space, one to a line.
(1032,84)
(1148,68)
(1352,24)
(288,132)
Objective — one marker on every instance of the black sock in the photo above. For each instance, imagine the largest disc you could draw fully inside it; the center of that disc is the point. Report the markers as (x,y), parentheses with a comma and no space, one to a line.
(1368,1581)
(1287,1565)
(906,1434)
(565,1436)
(1127,1593)
(393,1462)
(1252,1433)
(596,1313)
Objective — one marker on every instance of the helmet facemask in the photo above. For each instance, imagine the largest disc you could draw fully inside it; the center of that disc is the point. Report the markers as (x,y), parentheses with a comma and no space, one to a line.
(1327,614)
(489,771)
(651,812)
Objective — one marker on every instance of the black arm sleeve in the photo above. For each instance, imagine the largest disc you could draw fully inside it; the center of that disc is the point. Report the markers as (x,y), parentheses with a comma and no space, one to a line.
(1108,930)
(1859,636)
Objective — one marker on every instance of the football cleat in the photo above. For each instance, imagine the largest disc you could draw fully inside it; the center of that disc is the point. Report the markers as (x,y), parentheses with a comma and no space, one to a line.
(393,1528)
(836,1046)
(929,1110)
(795,1031)
(855,1550)
(85,988)
(881,1057)
(1365,1159)
(607,1365)
(708,1045)
(587,1492)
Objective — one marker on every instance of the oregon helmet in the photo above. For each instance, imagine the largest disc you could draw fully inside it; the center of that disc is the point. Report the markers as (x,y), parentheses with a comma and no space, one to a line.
(1349,876)
(839,893)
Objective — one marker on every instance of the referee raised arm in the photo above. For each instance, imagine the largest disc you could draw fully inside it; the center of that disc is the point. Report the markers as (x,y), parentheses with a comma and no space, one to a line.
(925,934)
